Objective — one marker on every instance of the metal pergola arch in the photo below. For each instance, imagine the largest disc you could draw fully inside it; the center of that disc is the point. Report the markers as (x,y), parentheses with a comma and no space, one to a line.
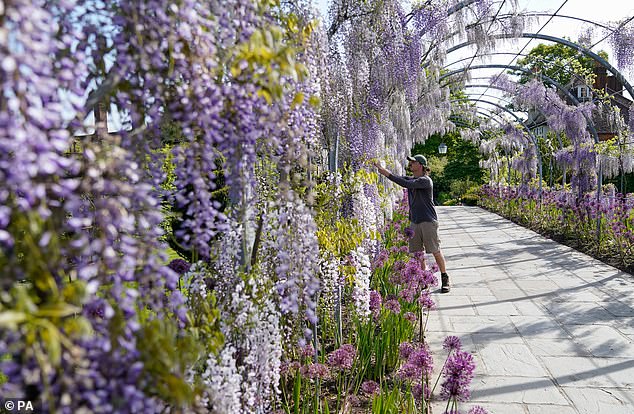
(619,76)
(520,121)
(560,87)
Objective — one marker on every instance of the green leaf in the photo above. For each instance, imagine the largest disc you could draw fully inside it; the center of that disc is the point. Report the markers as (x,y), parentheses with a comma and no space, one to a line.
(11,319)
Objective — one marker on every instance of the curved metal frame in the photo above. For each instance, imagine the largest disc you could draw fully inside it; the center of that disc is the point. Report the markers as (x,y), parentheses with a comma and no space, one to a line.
(573,98)
(619,76)
(530,134)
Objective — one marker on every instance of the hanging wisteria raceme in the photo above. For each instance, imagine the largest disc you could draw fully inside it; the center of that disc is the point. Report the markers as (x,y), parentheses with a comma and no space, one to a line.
(33,137)
(361,290)
(294,269)
(561,117)
(622,42)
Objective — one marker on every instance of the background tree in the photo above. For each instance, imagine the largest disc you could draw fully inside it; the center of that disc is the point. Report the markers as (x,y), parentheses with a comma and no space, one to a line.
(558,62)
(461,164)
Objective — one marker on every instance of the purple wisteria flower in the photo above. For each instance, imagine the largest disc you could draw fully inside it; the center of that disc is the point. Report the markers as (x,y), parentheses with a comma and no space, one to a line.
(458,374)
(179,266)
(451,343)
(370,388)
(342,358)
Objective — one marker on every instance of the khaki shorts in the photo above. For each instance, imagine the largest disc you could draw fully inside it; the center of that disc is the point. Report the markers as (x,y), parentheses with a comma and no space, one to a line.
(425,237)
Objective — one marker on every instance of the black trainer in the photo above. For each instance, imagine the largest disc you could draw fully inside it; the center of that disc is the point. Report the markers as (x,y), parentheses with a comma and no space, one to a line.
(444,278)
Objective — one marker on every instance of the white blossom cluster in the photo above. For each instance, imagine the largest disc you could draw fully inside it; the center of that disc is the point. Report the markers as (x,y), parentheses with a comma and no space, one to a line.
(194,281)
(261,367)
(330,280)
(365,212)
(222,383)
(361,289)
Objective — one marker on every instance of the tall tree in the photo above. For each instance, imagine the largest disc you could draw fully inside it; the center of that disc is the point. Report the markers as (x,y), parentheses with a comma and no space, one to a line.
(558,62)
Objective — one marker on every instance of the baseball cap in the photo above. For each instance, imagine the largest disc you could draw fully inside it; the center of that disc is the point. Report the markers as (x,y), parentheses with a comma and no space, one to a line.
(418,158)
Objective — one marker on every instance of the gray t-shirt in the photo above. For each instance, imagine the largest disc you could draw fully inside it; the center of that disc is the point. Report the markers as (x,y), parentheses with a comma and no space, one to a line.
(420,193)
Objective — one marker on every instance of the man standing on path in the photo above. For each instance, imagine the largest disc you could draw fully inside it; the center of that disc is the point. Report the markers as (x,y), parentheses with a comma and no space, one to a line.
(422,213)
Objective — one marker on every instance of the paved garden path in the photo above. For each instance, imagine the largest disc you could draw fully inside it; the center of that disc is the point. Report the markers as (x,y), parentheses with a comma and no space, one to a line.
(552,329)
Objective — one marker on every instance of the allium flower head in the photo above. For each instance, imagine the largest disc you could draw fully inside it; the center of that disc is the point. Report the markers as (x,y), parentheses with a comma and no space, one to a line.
(409,233)
(342,358)
(313,371)
(451,343)
(477,409)
(307,351)
(417,391)
(458,374)
(405,349)
(425,301)
(393,305)
(410,316)
(370,387)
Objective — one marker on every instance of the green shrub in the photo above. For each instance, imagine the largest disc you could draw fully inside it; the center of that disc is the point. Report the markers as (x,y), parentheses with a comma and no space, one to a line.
(470,199)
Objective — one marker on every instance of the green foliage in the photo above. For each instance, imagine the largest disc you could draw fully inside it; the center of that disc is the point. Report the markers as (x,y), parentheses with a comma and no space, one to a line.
(557,61)
(340,238)
(166,357)
(460,164)
(393,401)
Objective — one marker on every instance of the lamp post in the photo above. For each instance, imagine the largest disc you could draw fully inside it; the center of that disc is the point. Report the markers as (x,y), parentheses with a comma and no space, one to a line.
(442,148)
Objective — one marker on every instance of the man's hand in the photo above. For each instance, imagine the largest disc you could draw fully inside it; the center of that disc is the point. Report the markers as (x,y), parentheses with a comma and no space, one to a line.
(381,170)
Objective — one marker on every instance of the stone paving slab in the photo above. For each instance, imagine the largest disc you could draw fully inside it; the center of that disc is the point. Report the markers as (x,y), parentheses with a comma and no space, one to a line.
(551,329)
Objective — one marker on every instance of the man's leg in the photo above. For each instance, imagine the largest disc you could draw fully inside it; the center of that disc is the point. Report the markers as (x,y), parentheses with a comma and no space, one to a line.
(444,277)
(423,262)
(440,261)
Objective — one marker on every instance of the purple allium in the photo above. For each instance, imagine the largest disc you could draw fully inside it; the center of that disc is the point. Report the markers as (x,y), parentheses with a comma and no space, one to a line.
(380,259)
(458,374)
(405,349)
(407,294)
(409,233)
(307,351)
(180,266)
(370,387)
(425,301)
(342,358)
(477,409)
(393,305)
(287,368)
(451,343)
(313,371)
(375,302)
(417,390)
(428,279)
(410,316)
(419,362)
